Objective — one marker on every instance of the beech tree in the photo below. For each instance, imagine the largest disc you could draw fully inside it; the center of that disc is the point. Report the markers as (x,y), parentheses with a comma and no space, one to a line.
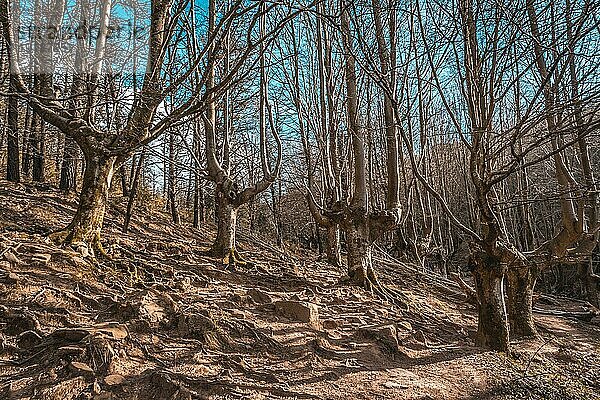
(327,190)
(496,151)
(361,226)
(229,195)
(13,164)
(461,136)
(578,234)
(105,150)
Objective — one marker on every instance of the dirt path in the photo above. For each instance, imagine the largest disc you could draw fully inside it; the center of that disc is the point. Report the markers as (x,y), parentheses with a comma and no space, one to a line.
(163,321)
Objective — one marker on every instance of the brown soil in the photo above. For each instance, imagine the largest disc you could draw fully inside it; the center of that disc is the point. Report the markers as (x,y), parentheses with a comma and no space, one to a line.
(161,320)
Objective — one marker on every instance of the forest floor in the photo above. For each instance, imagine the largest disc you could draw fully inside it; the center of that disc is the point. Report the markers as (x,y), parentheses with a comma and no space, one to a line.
(161,320)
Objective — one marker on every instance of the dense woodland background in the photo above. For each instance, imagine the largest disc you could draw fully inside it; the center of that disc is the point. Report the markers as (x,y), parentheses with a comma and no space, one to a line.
(460,136)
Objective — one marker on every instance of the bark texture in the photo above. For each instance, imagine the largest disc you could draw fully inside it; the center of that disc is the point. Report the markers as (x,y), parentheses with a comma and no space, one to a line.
(226,225)
(13,169)
(521,282)
(87,223)
(492,327)
(68,170)
(334,253)
(360,261)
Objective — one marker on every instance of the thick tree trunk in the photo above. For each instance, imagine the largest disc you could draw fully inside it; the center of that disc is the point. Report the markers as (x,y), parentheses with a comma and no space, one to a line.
(360,262)
(334,255)
(87,223)
(226,214)
(68,170)
(521,282)
(492,330)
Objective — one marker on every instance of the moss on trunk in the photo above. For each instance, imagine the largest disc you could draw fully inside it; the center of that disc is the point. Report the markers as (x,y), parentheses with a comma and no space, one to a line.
(87,223)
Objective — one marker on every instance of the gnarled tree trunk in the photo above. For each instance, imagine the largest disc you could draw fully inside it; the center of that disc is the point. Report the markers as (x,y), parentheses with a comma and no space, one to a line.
(87,223)
(492,329)
(360,262)
(519,296)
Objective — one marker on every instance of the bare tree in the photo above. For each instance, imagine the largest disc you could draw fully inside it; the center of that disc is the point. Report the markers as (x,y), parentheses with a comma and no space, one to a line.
(228,195)
(104,150)
(361,226)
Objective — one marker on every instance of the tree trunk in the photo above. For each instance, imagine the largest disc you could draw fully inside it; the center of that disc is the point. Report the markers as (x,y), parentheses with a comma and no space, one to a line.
(196,202)
(492,330)
(173,207)
(202,205)
(589,282)
(172,182)
(198,199)
(68,170)
(521,282)
(360,262)
(134,187)
(319,240)
(38,148)
(13,172)
(226,223)
(124,183)
(27,148)
(87,223)
(334,256)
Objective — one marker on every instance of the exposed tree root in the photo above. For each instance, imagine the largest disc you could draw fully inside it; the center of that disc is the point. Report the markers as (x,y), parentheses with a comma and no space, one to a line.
(93,246)
(234,259)
(384,292)
(59,237)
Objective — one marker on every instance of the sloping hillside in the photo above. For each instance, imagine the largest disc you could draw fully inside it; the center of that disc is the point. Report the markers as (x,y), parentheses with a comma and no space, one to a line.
(161,320)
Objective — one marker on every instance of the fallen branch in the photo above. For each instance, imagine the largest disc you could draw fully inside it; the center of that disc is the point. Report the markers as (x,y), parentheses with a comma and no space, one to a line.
(15,248)
(586,316)
(469,291)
